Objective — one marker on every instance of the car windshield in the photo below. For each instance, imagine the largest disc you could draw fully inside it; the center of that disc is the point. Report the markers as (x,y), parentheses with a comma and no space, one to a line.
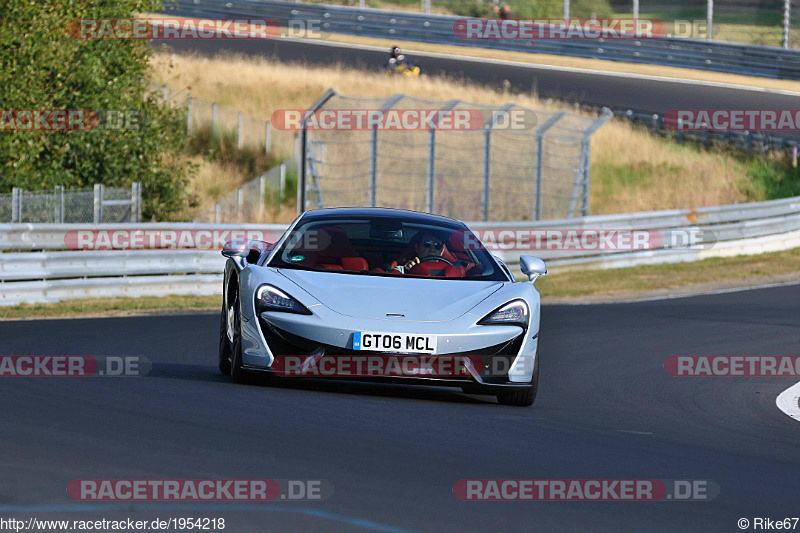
(384,246)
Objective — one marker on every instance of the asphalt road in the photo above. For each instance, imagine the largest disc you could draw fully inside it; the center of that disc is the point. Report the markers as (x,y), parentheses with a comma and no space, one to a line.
(606,409)
(586,87)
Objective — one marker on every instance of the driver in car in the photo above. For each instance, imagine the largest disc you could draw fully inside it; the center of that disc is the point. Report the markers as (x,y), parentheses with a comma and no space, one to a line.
(425,244)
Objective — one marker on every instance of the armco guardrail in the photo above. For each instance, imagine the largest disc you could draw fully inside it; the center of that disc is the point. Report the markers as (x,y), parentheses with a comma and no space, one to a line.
(766,61)
(53,274)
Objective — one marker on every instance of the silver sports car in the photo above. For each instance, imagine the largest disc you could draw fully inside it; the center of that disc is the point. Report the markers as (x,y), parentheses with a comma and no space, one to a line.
(381,294)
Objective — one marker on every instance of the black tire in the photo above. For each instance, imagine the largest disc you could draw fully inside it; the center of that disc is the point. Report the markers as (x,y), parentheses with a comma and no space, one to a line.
(224,344)
(238,373)
(523,397)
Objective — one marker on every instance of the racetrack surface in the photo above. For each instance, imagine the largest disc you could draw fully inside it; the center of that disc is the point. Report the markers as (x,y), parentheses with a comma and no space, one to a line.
(606,409)
(590,87)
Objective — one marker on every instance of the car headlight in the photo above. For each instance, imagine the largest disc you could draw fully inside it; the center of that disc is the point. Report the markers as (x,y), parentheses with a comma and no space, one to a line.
(269,298)
(512,313)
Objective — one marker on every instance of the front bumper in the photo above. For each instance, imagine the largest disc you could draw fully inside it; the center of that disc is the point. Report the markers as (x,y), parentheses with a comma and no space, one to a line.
(501,356)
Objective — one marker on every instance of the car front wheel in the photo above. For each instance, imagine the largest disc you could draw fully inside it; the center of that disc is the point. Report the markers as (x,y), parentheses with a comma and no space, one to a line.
(523,397)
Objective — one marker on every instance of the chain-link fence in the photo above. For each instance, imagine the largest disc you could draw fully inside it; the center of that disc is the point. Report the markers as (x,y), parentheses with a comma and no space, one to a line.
(96,205)
(248,131)
(253,200)
(507,163)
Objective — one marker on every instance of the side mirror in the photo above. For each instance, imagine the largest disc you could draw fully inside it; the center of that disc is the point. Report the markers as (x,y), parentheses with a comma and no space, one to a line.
(533,267)
(246,248)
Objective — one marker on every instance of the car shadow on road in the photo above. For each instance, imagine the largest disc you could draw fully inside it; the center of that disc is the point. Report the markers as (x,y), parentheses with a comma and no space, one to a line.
(364,388)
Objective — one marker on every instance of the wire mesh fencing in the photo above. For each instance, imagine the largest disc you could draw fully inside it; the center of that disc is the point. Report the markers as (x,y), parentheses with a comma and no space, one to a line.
(96,205)
(502,163)
(247,130)
(252,201)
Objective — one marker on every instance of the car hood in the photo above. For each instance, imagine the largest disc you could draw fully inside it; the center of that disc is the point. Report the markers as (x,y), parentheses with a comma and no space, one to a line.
(377,297)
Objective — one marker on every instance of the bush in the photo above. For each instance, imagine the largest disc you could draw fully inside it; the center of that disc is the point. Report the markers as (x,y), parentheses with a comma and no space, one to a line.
(43,67)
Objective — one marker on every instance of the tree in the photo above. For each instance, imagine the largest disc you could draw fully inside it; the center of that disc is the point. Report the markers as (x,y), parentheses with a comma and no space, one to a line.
(44,67)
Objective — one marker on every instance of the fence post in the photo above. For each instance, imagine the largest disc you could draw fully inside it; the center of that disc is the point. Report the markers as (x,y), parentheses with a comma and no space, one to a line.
(487,173)
(262,190)
(60,193)
(582,174)
(214,108)
(488,126)
(268,143)
(217,212)
(787,14)
(709,19)
(538,168)
(166,94)
(430,182)
(16,204)
(301,169)
(134,202)
(240,136)
(189,113)
(98,203)
(282,181)
(239,204)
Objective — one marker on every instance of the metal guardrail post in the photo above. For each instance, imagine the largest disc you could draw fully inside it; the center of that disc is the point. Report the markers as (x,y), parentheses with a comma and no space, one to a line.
(239,204)
(487,159)
(268,141)
(538,170)
(189,113)
(240,134)
(372,192)
(430,182)
(302,167)
(217,213)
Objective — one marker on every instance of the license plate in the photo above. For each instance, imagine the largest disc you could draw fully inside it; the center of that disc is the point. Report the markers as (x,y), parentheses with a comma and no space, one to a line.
(394,342)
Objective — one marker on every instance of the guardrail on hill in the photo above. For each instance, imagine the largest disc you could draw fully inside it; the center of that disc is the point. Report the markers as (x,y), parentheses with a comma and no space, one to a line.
(766,61)
(53,274)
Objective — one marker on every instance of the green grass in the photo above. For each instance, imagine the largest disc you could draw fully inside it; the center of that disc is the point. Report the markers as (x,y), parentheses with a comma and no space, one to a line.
(771,180)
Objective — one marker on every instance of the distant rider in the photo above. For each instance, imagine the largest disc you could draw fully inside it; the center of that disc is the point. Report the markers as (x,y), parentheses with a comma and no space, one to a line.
(396,60)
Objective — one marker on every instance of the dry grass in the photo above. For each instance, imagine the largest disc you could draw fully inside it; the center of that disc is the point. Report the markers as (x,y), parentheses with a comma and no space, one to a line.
(631,170)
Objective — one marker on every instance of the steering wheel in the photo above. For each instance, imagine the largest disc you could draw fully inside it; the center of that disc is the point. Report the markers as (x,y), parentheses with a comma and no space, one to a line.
(428,258)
